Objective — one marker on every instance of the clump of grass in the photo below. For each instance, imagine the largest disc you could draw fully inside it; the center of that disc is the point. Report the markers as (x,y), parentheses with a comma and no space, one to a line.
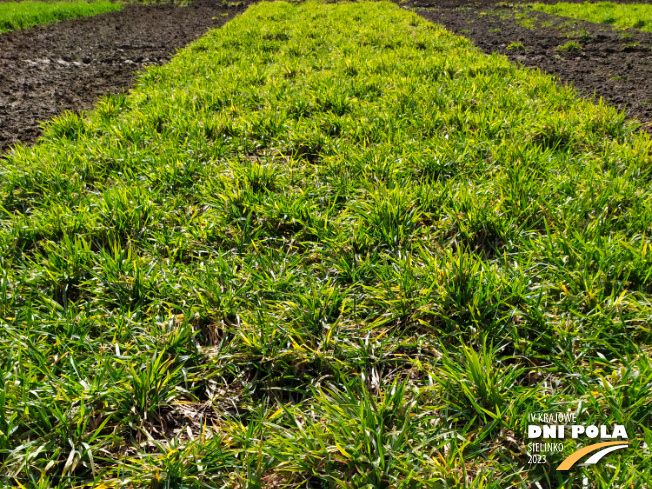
(516,46)
(632,46)
(325,246)
(20,15)
(570,47)
(527,23)
(582,35)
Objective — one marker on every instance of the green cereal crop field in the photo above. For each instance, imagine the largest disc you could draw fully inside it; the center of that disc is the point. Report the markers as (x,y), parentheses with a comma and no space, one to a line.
(326,246)
(20,15)
(628,15)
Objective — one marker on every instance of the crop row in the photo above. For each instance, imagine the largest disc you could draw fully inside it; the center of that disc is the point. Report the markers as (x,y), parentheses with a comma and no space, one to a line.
(328,245)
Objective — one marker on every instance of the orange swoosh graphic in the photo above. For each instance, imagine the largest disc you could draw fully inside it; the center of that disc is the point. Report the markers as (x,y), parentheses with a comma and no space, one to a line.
(574,457)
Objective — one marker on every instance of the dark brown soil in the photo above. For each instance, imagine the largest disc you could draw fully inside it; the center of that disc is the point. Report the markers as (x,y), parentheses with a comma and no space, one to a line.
(49,69)
(613,64)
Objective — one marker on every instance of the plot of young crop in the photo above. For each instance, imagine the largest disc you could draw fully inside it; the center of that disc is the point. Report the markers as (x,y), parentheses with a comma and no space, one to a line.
(636,15)
(20,15)
(326,246)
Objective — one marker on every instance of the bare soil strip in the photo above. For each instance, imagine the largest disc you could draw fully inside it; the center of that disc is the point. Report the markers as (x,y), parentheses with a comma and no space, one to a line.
(47,70)
(613,64)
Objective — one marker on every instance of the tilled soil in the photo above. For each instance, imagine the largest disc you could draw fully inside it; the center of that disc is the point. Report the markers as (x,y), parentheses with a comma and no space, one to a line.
(47,70)
(613,64)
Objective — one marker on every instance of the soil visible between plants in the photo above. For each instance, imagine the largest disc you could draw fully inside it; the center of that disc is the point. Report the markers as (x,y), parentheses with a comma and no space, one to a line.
(46,70)
(611,63)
